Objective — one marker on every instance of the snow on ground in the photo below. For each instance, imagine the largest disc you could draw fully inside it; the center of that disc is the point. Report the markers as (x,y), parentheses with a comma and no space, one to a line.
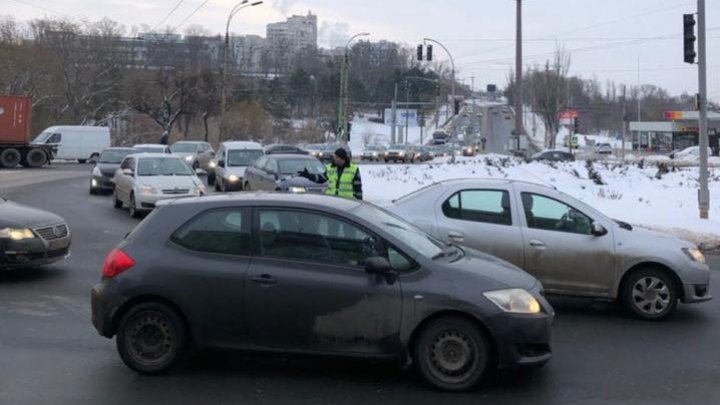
(376,133)
(630,194)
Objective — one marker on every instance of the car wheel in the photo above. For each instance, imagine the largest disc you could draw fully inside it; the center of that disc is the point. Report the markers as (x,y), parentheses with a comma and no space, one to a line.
(246,187)
(93,191)
(649,294)
(217,186)
(452,354)
(82,161)
(133,208)
(151,339)
(211,179)
(116,201)
(9,158)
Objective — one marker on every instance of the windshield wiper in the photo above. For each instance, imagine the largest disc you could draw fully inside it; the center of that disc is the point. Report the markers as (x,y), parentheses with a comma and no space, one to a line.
(439,255)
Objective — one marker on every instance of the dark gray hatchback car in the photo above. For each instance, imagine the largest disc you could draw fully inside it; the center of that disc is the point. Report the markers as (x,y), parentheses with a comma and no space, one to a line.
(315,275)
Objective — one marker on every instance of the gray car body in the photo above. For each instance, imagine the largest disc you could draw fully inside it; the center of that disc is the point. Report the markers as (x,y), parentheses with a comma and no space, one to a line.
(314,307)
(107,171)
(566,264)
(38,250)
(259,178)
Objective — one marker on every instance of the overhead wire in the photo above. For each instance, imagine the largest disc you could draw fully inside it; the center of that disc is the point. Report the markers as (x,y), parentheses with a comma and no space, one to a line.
(179,3)
(191,15)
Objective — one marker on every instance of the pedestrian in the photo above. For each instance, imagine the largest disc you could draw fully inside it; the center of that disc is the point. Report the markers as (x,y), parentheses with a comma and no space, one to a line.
(483,141)
(344,177)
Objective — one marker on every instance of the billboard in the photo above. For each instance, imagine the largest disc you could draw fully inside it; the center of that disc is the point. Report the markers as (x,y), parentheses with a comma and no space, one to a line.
(401,114)
(567,117)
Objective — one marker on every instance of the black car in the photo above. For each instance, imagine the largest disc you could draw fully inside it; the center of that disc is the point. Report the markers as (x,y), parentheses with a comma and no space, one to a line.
(285,150)
(554,156)
(30,237)
(315,275)
(105,167)
(285,173)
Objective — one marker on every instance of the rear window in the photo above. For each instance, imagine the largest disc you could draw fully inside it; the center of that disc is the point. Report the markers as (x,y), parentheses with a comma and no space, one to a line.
(224,231)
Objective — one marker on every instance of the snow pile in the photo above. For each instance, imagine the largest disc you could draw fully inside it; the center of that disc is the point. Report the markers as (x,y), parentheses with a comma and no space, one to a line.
(646,196)
(368,132)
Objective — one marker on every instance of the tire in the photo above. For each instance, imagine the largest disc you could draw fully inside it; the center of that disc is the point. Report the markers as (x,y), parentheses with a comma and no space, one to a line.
(246,187)
(649,294)
(452,354)
(158,330)
(93,191)
(133,208)
(217,186)
(35,158)
(211,179)
(10,157)
(116,201)
(82,161)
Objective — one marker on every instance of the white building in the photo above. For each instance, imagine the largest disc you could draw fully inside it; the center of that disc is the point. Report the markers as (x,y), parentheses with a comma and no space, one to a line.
(247,52)
(295,33)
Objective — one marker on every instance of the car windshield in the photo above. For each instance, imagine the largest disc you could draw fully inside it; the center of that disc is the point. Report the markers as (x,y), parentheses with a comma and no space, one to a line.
(113,156)
(163,167)
(404,231)
(243,157)
(184,148)
(294,166)
(397,146)
(42,137)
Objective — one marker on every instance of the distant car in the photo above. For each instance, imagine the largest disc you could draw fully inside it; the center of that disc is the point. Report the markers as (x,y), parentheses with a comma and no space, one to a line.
(691,153)
(397,153)
(151,148)
(327,151)
(423,154)
(603,148)
(199,155)
(570,247)
(284,150)
(105,167)
(31,237)
(144,179)
(373,153)
(282,173)
(314,150)
(553,156)
(315,275)
(233,160)
(470,150)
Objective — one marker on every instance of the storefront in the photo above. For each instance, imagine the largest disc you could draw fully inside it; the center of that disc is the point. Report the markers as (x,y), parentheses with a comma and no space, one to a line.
(679,131)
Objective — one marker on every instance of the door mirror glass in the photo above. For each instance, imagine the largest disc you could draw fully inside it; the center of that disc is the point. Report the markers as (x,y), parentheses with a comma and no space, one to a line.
(598,230)
(377,265)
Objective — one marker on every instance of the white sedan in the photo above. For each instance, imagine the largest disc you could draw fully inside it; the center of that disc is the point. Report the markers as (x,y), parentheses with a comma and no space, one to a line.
(144,179)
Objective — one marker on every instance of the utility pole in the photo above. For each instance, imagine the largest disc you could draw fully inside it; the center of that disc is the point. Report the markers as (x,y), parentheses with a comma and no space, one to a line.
(704,194)
(407,115)
(518,75)
(638,82)
(343,96)
(393,119)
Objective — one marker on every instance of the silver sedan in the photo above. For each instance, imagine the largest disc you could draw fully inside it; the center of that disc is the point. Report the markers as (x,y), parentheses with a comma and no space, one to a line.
(570,247)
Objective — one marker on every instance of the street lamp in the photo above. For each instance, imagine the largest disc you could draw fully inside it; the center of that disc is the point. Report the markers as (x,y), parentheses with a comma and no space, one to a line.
(223,94)
(343,99)
(452,87)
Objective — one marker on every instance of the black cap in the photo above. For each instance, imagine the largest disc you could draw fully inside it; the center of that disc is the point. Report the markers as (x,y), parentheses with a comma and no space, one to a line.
(342,154)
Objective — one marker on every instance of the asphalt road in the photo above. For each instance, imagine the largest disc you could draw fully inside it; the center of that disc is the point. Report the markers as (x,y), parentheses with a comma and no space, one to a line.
(50,354)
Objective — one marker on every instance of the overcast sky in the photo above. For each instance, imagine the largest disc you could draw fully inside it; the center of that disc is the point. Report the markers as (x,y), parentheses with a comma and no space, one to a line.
(605,38)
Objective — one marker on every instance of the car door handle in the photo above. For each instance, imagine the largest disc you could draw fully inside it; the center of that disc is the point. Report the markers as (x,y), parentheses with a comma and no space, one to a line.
(456,236)
(537,244)
(264,279)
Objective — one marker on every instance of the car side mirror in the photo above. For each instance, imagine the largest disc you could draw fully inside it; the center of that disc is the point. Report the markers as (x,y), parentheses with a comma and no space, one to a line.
(221,163)
(598,230)
(377,265)
(128,172)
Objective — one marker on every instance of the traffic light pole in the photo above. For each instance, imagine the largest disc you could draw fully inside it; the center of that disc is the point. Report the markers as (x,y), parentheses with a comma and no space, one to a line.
(704,193)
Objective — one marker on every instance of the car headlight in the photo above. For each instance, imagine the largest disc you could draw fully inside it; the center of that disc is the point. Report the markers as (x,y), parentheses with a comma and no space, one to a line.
(516,301)
(695,255)
(16,234)
(297,190)
(233,178)
(96,172)
(188,159)
(375,154)
(212,164)
(148,190)
(401,154)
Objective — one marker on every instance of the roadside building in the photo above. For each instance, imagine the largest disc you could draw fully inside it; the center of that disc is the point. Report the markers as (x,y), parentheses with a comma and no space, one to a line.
(678,131)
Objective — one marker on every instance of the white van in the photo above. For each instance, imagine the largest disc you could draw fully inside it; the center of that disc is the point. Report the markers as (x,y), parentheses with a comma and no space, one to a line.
(233,157)
(75,142)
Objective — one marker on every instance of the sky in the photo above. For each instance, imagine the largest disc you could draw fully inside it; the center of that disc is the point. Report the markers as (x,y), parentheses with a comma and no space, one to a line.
(620,40)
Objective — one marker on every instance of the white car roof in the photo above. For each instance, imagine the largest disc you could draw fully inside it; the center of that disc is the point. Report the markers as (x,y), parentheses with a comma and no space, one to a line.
(156,155)
(233,145)
(149,145)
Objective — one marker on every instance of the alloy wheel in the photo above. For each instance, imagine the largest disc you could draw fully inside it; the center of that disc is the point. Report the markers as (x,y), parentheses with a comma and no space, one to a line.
(651,295)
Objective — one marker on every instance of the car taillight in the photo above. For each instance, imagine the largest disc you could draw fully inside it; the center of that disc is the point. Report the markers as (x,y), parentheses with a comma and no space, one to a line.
(116,262)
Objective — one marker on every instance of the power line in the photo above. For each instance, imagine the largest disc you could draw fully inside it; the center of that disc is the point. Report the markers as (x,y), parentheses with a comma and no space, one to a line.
(191,14)
(168,14)
(49,10)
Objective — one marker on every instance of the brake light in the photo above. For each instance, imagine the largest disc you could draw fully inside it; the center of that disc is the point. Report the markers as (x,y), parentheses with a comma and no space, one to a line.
(116,262)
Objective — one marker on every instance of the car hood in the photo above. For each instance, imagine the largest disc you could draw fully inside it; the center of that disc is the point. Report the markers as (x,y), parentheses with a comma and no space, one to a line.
(235,170)
(489,272)
(166,182)
(183,154)
(108,167)
(21,216)
(650,237)
(297,181)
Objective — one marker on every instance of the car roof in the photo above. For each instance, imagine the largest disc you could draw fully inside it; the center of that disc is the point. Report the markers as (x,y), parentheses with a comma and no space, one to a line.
(241,145)
(156,155)
(474,182)
(259,198)
(284,156)
(189,142)
(144,145)
(118,148)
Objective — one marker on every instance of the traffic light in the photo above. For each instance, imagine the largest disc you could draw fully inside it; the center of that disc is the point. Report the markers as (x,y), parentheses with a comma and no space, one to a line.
(420,53)
(689,37)
(349,130)
(429,53)
(576,125)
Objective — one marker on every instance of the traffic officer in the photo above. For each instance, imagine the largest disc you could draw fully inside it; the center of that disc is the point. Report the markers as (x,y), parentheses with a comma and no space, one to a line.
(343,177)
